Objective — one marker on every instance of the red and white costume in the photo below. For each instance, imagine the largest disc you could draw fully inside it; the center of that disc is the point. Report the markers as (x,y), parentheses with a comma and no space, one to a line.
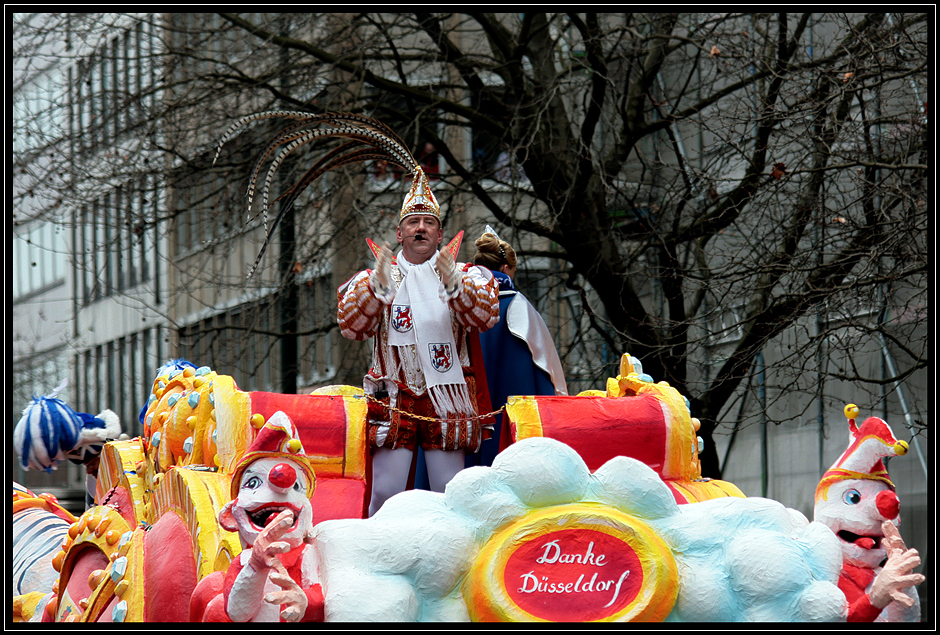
(300,563)
(274,578)
(396,369)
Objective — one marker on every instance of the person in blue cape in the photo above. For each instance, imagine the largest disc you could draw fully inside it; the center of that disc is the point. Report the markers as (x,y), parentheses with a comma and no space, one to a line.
(519,354)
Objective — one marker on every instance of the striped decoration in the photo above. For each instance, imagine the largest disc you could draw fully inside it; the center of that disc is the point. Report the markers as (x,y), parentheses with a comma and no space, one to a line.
(37,537)
(48,429)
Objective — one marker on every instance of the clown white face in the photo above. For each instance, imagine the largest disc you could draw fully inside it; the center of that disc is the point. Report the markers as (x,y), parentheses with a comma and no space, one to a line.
(854,510)
(269,486)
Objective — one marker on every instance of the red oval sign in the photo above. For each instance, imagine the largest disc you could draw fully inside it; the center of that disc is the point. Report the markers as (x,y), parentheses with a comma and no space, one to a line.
(573,574)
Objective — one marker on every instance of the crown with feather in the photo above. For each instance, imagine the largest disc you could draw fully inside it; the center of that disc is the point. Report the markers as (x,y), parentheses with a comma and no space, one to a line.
(365,139)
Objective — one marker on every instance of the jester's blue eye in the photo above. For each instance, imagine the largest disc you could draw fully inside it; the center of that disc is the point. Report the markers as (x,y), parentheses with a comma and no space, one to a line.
(852,497)
(252,483)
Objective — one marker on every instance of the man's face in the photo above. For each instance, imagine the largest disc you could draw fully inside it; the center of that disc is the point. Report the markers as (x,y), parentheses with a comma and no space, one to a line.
(420,237)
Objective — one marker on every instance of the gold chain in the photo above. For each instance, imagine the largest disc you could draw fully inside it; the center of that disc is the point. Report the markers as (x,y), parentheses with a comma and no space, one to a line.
(411,415)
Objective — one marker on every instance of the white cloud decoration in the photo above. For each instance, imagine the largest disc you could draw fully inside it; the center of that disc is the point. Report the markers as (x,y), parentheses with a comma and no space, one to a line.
(737,559)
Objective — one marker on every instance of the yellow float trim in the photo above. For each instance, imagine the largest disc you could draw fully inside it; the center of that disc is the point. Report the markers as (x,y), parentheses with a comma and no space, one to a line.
(698,491)
(24,606)
(20,503)
(234,433)
(356,442)
(197,497)
(524,413)
(130,586)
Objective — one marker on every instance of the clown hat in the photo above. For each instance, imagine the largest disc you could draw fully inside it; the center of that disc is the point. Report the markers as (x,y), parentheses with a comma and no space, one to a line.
(862,461)
(277,438)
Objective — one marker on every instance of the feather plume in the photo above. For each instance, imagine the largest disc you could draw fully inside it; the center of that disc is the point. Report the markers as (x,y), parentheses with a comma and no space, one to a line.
(367,140)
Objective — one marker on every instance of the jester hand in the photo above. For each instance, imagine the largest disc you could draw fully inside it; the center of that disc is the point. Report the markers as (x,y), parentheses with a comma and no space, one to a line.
(268,544)
(381,276)
(896,575)
(448,268)
(291,597)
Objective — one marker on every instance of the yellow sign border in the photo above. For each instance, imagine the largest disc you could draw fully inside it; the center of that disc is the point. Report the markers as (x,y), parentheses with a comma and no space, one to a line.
(485,591)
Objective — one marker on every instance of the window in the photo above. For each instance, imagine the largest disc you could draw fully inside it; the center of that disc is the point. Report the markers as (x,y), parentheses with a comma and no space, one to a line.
(109,84)
(118,239)
(493,157)
(207,207)
(119,374)
(38,259)
(99,220)
(241,342)
(39,115)
(104,99)
(396,112)
(725,324)
(317,300)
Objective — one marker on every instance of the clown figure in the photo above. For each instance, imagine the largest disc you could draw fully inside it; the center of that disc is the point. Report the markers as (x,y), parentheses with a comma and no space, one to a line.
(856,499)
(275,577)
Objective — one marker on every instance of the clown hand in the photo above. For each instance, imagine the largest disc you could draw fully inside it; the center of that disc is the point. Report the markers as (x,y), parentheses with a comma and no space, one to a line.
(268,544)
(448,268)
(896,575)
(291,598)
(382,277)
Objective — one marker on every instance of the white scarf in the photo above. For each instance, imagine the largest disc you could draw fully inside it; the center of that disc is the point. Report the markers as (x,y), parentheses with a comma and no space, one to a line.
(420,326)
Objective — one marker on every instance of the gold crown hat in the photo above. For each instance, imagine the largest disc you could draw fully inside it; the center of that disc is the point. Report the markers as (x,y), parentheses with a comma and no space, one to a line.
(361,138)
(277,438)
(420,198)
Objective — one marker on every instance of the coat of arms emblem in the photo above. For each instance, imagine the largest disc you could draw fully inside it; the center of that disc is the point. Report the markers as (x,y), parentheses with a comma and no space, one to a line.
(401,318)
(441,357)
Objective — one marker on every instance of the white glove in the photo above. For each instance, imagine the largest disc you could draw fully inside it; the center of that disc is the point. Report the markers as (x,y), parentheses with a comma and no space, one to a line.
(448,268)
(381,276)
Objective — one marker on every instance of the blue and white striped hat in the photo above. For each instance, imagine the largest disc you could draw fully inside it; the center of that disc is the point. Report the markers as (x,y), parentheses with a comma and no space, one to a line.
(48,429)
(51,431)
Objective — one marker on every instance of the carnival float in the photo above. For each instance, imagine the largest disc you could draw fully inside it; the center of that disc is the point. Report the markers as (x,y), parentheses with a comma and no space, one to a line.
(596,512)
(255,506)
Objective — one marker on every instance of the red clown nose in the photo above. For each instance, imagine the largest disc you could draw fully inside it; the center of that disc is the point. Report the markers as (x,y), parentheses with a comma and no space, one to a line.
(282,476)
(887,504)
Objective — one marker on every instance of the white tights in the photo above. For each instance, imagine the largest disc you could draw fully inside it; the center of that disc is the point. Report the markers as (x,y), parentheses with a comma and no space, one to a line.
(390,470)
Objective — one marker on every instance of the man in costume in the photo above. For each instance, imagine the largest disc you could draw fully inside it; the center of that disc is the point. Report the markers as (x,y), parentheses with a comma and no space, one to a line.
(422,309)
(424,312)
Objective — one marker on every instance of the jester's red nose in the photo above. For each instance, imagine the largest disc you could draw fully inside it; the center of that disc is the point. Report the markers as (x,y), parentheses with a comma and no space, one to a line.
(887,504)
(282,476)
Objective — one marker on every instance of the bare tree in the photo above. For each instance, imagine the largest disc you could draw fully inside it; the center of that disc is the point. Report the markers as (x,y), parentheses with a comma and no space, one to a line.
(705,183)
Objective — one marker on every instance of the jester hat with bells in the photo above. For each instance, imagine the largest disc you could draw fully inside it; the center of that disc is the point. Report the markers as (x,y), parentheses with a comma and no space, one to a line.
(277,438)
(862,460)
(361,138)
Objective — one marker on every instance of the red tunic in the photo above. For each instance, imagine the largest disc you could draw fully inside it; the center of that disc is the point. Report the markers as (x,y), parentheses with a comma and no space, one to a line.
(853,582)
(292,560)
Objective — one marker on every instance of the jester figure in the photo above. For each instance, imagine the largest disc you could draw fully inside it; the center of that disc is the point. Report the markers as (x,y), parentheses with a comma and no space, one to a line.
(856,499)
(275,577)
